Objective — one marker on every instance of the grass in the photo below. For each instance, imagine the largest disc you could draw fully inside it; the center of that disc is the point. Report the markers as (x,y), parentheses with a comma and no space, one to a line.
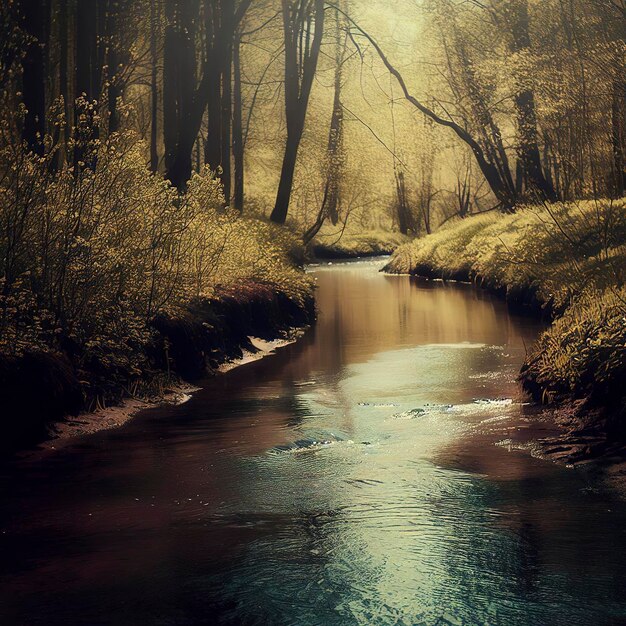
(567,259)
(353,243)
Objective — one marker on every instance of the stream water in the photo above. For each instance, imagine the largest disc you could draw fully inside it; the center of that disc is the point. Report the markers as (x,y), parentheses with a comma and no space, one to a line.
(375,472)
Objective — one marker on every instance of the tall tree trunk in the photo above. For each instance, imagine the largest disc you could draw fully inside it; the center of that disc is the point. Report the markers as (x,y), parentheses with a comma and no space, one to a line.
(489,131)
(155,16)
(226,135)
(335,135)
(214,35)
(332,188)
(238,147)
(403,210)
(35,18)
(88,74)
(618,137)
(228,29)
(213,145)
(88,66)
(185,100)
(464,193)
(64,84)
(170,87)
(516,14)
(113,57)
(279,214)
(62,34)
(298,83)
(182,103)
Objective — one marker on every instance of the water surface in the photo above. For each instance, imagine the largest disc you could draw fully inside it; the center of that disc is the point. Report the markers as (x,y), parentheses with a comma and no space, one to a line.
(369,474)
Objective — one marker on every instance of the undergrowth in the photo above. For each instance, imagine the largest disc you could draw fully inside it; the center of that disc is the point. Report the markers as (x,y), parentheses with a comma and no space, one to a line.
(91,254)
(351,242)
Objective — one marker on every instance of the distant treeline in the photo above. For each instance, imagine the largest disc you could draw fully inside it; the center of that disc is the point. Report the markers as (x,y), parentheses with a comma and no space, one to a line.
(533,92)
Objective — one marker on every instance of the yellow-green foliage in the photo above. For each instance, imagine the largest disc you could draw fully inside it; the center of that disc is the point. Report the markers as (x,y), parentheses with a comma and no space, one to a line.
(445,251)
(88,258)
(584,353)
(560,250)
(571,257)
(353,242)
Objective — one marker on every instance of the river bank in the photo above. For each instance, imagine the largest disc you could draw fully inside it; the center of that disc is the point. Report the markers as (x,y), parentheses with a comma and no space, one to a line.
(176,393)
(139,288)
(353,244)
(567,264)
(394,432)
(48,396)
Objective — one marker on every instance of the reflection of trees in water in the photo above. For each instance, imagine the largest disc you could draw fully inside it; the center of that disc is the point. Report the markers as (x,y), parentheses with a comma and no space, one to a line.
(362,314)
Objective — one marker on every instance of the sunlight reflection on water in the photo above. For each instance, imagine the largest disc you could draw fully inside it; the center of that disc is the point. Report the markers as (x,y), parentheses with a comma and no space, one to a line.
(353,478)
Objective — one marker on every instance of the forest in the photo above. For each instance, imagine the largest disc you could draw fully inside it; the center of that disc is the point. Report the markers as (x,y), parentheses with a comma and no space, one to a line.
(313,312)
(158,154)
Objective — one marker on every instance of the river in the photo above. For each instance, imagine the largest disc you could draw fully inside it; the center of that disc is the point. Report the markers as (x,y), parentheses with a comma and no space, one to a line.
(378,471)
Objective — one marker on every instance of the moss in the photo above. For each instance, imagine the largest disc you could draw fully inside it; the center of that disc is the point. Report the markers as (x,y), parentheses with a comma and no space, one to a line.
(567,260)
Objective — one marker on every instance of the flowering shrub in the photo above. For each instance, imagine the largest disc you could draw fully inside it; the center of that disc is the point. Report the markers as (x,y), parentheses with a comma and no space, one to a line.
(91,253)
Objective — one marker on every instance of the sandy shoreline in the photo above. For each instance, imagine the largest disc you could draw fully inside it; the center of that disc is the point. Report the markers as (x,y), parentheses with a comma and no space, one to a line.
(263,349)
(116,416)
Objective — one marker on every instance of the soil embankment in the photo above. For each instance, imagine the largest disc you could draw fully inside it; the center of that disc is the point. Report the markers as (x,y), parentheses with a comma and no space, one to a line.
(41,389)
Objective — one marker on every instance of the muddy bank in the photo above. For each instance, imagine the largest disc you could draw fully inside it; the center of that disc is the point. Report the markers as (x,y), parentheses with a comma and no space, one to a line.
(591,433)
(113,416)
(40,390)
(175,393)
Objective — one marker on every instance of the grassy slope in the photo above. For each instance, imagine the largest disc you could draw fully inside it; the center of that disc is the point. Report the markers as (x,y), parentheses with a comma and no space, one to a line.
(569,260)
(353,244)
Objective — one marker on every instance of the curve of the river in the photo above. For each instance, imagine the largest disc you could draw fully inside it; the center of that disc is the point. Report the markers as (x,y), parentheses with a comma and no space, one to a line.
(376,472)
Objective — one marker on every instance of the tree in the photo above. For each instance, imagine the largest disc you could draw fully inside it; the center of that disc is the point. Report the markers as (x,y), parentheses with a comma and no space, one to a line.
(35,22)
(303,30)
(493,176)
(238,142)
(183,99)
(335,154)
(189,91)
(513,16)
(88,20)
(155,21)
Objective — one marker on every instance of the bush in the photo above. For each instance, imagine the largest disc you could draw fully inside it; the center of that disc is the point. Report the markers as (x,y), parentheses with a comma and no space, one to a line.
(584,353)
(91,256)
